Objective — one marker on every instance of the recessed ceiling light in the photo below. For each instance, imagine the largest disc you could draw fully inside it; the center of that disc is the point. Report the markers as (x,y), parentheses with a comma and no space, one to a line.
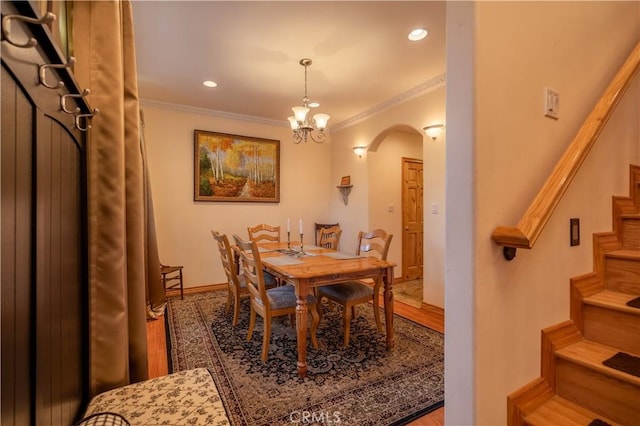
(417,34)
(210,83)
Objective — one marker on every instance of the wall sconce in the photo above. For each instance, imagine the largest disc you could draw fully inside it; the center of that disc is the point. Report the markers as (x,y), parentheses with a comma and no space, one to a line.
(359,150)
(434,130)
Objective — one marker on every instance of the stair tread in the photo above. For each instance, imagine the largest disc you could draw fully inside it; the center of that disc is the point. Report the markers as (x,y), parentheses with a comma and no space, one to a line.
(560,411)
(590,354)
(624,254)
(612,300)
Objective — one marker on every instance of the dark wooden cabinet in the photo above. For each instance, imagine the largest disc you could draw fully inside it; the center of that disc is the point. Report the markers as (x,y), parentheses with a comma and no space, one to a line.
(44,289)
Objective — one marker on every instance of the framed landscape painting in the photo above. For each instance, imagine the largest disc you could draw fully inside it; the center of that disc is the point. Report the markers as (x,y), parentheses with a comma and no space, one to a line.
(236,168)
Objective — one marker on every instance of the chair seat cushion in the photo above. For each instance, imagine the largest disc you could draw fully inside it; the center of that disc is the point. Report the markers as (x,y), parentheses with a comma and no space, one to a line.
(284,297)
(344,292)
(269,280)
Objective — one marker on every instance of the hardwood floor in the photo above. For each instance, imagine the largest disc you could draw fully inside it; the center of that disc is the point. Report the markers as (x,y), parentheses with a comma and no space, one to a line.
(157,347)
(426,315)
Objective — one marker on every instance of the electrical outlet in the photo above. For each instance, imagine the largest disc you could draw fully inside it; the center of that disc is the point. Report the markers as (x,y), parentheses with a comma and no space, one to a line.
(574,231)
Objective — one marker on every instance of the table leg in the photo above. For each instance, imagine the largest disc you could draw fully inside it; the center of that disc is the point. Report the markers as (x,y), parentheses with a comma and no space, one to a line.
(302,290)
(388,307)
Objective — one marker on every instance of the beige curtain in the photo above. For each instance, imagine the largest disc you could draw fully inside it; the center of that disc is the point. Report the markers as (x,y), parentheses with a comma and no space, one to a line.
(124,271)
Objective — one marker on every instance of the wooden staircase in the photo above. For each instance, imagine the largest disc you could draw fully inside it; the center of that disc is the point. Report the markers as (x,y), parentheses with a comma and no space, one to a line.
(575,388)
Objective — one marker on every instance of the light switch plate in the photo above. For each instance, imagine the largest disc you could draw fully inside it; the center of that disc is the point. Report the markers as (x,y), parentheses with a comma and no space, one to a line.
(551,103)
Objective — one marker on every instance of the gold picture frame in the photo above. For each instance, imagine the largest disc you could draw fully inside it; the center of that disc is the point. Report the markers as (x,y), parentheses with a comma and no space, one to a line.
(236,168)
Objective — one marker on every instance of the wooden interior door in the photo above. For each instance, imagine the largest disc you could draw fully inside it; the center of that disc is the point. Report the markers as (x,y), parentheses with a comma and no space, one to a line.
(412,219)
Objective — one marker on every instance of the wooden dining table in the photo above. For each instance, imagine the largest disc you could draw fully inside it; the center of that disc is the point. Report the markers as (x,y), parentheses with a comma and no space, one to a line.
(317,266)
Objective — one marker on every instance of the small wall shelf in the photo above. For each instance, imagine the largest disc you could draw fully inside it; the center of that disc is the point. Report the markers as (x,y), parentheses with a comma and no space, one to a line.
(344,191)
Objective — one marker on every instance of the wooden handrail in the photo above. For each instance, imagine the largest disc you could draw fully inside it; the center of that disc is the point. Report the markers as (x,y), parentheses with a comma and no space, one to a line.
(535,218)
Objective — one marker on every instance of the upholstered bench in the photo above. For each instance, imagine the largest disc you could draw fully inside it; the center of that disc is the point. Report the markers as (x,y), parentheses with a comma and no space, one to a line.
(184,398)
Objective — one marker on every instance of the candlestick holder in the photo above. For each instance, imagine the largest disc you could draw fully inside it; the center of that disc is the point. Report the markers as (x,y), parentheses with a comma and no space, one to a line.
(288,240)
(301,245)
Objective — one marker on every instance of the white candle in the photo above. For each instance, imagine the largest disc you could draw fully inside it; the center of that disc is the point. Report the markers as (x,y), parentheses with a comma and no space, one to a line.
(288,225)
(300,226)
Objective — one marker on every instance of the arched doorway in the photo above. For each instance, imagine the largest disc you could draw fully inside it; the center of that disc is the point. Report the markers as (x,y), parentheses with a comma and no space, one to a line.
(394,168)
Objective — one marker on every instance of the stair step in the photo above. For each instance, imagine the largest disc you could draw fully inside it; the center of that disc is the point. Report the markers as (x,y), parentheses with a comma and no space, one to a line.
(613,300)
(631,231)
(622,271)
(607,319)
(560,411)
(591,354)
(583,379)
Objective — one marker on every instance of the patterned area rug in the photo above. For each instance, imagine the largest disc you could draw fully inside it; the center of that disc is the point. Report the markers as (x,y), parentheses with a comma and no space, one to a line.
(363,384)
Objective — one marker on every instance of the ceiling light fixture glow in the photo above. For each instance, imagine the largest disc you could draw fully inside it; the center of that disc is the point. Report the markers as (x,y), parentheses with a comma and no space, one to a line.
(210,83)
(301,124)
(417,34)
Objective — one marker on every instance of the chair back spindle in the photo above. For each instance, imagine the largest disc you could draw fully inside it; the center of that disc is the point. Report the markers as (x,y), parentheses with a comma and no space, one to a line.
(330,237)
(236,285)
(252,269)
(374,243)
(264,233)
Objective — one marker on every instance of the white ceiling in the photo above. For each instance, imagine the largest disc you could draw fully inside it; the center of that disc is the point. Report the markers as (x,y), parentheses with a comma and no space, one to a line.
(360,52)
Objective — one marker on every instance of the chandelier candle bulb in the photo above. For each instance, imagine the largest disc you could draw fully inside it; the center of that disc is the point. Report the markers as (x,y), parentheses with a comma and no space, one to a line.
(300,113)
(321,120)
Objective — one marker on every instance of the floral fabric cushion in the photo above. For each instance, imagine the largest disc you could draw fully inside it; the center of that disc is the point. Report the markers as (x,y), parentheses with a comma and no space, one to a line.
(186,397)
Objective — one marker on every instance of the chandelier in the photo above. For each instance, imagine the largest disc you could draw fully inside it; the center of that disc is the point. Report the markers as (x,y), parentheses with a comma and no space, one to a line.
(303,126)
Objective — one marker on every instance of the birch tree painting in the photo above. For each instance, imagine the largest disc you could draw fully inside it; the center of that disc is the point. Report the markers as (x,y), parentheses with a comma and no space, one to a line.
(236,168)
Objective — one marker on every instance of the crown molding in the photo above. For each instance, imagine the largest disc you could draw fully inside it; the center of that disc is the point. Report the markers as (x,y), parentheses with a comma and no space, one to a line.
(213,112)
(423,89)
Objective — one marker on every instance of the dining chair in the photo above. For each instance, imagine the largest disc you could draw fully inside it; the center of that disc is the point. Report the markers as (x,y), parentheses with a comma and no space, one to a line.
(373,243)
(330,237)
(269,302)
(264,233)
(319,226)
(172,273)
(236,283)
(268,234)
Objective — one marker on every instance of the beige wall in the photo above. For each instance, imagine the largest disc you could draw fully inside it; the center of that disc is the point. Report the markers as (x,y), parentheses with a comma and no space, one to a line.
(309,175)
(368,177)
(504,151)
(183,225)
(384,170)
